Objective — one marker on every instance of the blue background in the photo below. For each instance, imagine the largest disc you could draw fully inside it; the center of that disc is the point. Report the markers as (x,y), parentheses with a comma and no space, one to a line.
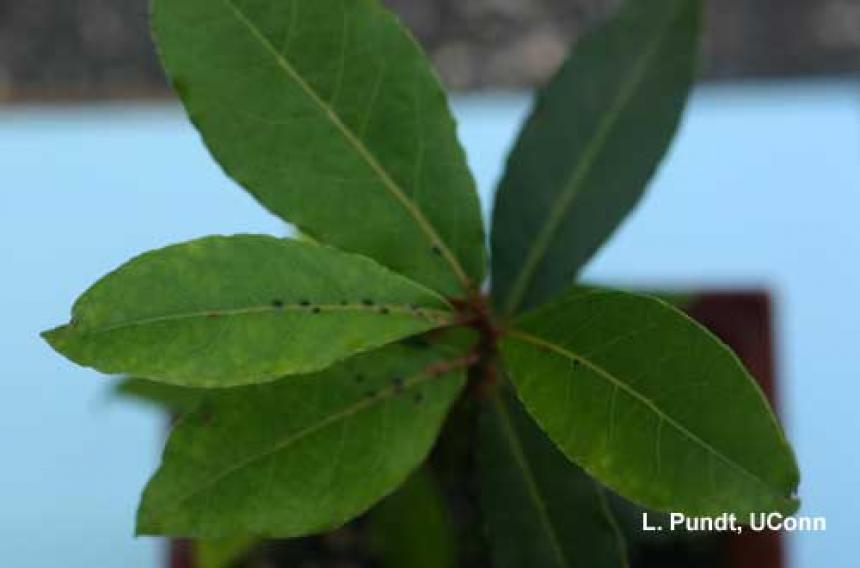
(760,190)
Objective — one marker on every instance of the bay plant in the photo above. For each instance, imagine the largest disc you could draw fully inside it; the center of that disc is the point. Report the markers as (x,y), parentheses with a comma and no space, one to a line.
(315,374)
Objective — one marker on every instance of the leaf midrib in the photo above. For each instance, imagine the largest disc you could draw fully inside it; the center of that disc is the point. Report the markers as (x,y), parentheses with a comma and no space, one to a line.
(387,181)
(580,174)
(432,315)
(534,493)
(294,437)
(620,384)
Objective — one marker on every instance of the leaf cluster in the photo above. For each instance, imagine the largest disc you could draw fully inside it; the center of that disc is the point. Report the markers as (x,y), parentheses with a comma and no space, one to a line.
(315,375)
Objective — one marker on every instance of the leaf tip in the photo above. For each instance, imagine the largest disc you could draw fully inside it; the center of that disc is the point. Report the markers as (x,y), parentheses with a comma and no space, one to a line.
(56,337)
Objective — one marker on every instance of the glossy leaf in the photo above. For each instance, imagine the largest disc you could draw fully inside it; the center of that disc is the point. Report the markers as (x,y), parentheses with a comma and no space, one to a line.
(594,138)
(227,311)
(303,455)
(329,114)
(412,527)
(651,404)
(540,510)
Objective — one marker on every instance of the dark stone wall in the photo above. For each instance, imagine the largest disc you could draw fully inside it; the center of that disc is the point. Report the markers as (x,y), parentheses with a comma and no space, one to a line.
(61,49)
(76,49)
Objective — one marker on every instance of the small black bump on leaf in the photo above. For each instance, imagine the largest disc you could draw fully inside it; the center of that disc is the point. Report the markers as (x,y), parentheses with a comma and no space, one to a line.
(383,310)
(304,303)
(419,398)
(277,304)
(367,302)
(316,310)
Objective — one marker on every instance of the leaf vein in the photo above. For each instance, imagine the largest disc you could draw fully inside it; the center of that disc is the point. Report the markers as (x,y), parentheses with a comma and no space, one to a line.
(436,316)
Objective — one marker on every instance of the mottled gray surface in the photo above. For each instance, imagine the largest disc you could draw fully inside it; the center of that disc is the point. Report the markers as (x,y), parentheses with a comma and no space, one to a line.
(100,48)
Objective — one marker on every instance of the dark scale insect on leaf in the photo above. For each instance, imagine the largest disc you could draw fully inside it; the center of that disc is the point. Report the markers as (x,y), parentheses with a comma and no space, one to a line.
(213,315)
(383,310)
(398,384)
(304,303)
(367,302)
(437,250)
(278,304)
(418,398)
(316,310)
(359,378)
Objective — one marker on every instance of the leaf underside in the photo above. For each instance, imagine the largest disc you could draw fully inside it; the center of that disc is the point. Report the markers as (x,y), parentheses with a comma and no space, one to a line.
(228,311)
(540,510)
(651,404)
(303,455)
(594,139)
(329,114)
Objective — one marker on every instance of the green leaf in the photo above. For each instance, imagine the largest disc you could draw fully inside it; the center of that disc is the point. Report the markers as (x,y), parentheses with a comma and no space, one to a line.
(329,114)
(228,311)
(651,404)
(541,510)
(595,137)
(304,455)
(412,527)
